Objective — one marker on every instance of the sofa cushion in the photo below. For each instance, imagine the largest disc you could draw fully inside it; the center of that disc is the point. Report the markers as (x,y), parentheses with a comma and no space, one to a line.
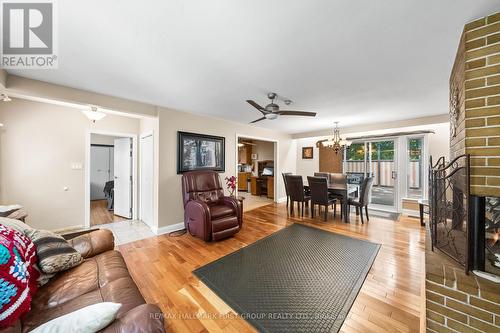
(227,222)
(53,251)
(218,211)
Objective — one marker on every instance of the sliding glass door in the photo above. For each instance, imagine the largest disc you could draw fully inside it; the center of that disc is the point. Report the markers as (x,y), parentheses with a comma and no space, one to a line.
(377,159)
(383,168)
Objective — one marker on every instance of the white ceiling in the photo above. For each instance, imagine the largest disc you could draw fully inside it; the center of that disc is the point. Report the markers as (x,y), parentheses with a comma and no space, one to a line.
(358,62)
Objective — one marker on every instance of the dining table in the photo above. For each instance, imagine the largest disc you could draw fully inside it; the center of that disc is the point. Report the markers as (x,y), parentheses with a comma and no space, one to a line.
(341,190)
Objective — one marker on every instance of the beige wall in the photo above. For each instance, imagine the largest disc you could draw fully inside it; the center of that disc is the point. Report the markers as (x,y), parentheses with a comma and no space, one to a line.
(171,209)
(38,145)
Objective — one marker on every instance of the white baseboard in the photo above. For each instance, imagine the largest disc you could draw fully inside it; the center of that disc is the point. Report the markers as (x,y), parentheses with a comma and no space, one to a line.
(281,200)
(169,228)
(412,213)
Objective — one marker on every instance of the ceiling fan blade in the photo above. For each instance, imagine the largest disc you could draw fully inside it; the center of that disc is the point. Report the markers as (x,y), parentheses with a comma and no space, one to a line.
(257,120)
(255,105)
(297,113)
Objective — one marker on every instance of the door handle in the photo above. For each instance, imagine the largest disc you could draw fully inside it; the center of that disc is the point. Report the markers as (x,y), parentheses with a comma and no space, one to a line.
(116,177)
(394,174)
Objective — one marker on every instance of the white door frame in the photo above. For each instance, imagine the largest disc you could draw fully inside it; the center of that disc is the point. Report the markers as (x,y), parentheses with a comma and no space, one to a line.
(87,170)
(155,217)
(276,160)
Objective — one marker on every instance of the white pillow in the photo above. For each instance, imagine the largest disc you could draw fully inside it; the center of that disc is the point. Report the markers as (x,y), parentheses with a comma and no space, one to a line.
(89,319)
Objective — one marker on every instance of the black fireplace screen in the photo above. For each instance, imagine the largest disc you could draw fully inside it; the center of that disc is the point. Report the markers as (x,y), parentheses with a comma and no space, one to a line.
(449,186)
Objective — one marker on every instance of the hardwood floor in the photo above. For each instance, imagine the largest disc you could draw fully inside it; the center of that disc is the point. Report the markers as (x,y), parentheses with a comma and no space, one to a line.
(389,300)
(99,213)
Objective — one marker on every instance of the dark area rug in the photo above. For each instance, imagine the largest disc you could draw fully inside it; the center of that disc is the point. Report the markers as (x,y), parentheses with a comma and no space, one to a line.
(299,279)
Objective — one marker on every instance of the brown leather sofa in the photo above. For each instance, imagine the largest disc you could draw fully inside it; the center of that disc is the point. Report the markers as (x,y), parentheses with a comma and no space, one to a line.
(208,214)
(102,277)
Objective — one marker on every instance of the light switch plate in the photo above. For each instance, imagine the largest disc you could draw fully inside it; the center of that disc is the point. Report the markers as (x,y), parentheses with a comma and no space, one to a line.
(76,166)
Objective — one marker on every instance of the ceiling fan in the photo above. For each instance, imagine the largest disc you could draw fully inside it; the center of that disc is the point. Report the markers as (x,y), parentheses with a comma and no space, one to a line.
(272,110)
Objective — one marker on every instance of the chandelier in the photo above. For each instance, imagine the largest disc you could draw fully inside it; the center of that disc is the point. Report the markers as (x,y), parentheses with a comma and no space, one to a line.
(336,142)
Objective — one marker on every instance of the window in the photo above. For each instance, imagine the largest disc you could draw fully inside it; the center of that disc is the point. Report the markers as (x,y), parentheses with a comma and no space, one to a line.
(415,174)
(355,158)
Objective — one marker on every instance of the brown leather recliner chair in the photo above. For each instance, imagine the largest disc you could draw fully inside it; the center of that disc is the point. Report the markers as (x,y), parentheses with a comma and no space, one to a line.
(208,214)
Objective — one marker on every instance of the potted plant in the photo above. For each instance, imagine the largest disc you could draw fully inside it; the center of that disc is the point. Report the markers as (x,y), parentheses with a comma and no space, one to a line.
(231,185)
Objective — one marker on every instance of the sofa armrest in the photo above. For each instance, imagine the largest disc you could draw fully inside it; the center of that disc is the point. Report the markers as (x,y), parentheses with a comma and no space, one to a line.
(236,205)
(144,318)
(93,243)
(197,219)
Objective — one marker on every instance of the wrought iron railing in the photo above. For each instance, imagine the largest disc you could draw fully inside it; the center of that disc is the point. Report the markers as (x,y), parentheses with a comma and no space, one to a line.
(449,189)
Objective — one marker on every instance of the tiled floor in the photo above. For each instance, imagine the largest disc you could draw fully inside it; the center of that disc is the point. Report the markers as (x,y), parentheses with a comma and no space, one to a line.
(252,201)
(127,231)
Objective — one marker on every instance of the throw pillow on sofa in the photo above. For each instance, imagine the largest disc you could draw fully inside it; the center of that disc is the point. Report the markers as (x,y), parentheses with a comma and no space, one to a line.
(7,210)
(89,319)
(15,224)
(17,275)
(53,251)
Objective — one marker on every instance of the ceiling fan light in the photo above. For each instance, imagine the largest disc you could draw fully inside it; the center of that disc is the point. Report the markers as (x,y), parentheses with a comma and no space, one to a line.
(271,116)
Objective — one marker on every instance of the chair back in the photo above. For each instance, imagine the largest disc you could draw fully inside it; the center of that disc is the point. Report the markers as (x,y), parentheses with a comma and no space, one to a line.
(295,186)
(202,185)
(285,174)
(366,188)
(323,175)
(319,190)
(338,179)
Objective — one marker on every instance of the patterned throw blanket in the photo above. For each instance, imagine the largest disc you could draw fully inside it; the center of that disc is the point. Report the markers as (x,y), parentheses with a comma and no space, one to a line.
(18,275)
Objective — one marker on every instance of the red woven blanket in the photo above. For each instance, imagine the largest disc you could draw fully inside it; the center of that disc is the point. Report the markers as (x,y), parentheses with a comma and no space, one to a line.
(17,275)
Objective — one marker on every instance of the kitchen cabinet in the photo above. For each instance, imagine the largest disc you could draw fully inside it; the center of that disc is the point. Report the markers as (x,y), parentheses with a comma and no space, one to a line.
(245,155)
(270,187)
(243,181)
(253,186)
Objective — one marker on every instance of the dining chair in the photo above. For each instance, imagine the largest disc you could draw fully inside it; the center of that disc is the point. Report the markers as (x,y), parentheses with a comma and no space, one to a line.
(363,200)
(320,195)
(295,186)
(338,178)
(285,174)
(341,180)
(323,175)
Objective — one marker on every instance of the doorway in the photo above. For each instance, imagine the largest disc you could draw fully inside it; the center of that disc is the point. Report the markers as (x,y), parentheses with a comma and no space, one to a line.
(111,178)
(256,165)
